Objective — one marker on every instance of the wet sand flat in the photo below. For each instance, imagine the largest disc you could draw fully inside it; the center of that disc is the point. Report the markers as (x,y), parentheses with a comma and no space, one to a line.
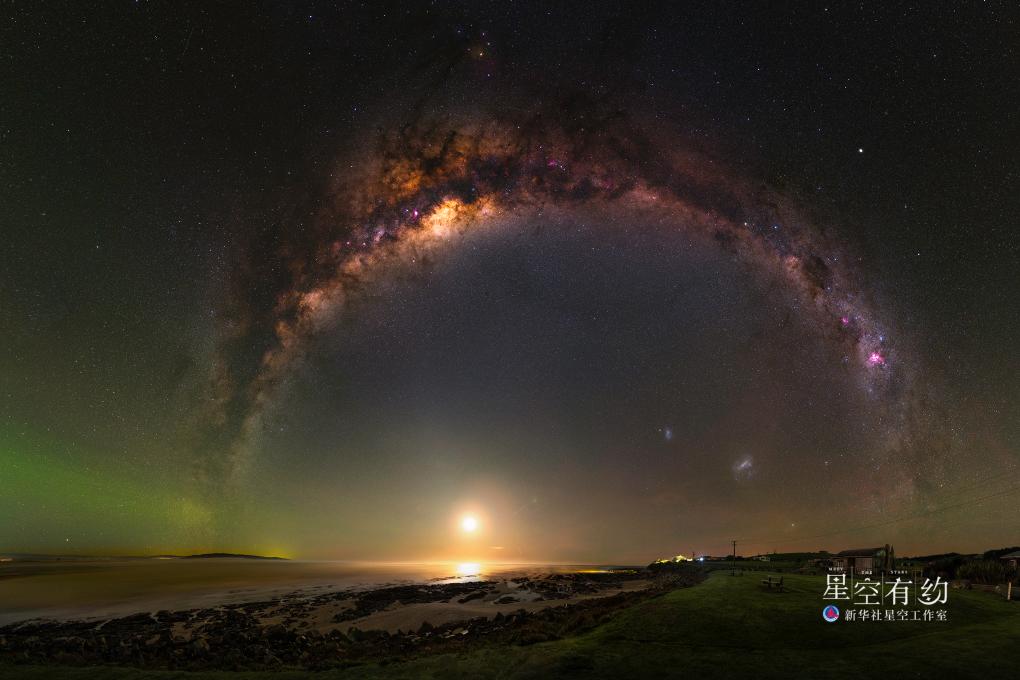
(377,613)
(110,588)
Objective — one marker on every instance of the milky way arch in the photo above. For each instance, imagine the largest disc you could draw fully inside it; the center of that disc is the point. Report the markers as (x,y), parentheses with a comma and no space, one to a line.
(425,182)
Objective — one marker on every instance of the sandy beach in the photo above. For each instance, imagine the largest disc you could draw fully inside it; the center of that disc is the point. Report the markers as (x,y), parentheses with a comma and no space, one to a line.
(198,614)
(83,589)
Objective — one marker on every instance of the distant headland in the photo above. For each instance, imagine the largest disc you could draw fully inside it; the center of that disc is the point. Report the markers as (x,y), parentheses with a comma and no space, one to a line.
(235,556)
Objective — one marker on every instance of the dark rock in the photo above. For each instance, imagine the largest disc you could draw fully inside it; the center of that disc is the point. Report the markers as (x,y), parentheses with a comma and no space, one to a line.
(276,632)
(335,634)
(472,596)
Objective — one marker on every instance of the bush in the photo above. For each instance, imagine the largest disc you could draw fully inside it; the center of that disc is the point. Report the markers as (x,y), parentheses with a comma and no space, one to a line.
(947,567)
(989,572)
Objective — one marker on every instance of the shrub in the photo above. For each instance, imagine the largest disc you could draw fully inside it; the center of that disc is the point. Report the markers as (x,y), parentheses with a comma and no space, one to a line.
(990,572)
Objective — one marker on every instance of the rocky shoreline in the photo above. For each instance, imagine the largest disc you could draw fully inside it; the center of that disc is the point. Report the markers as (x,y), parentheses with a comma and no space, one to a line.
(330,630)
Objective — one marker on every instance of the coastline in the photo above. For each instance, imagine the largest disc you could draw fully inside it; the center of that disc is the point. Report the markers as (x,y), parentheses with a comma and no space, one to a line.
(95,589)
(319,628)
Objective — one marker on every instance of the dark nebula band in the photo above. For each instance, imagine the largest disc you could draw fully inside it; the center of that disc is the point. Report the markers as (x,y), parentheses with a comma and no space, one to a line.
(417,186)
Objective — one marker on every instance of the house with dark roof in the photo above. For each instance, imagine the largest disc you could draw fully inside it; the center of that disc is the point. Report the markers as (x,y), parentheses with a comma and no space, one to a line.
(866,559)
(1011,559)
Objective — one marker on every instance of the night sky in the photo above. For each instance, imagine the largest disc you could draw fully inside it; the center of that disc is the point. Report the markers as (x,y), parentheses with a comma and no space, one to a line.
(318,280)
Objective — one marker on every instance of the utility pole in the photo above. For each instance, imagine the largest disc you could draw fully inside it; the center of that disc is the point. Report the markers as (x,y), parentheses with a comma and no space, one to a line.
(734,557)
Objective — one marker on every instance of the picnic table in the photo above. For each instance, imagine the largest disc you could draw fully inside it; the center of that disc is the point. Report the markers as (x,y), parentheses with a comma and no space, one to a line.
(771,583)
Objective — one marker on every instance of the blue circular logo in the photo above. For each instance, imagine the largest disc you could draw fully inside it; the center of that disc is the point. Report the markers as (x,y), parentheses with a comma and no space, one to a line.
(830,613)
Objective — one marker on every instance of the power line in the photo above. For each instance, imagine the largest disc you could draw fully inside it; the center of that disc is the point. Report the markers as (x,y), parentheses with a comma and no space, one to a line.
(928,512)
(980,499)
(973,484)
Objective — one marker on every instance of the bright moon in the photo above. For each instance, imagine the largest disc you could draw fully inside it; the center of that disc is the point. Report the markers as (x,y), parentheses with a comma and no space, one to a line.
(469,524)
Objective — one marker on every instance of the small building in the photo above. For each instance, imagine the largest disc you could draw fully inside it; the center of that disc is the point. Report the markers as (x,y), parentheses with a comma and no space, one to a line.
(865,559)
(1012,559)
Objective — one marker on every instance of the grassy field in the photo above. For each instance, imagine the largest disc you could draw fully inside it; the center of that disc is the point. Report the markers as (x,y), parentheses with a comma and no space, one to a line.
(726,627)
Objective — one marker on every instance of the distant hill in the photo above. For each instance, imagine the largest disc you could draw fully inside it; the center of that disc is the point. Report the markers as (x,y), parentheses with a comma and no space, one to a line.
(935,558)
(234,556)
(999,552)
(799,556)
